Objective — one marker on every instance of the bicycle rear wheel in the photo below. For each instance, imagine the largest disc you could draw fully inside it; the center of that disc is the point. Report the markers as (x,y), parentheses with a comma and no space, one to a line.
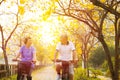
(65,70)
(24,77)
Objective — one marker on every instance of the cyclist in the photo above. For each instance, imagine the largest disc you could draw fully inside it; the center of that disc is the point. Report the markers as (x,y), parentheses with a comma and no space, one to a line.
(27,54)
(66,50)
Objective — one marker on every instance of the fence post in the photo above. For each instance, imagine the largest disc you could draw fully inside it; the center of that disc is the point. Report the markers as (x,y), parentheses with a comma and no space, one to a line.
(3,72)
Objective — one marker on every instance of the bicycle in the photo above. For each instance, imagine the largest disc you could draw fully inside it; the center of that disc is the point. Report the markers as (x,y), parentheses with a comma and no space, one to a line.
(65,69)
(23,69)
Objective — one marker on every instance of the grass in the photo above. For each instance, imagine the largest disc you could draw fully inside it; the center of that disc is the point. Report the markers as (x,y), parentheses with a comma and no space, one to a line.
(15,76)
(10,78)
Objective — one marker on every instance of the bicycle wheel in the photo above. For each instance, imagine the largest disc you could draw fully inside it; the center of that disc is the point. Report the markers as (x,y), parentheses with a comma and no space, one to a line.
(65,77)
(65,71)
(24,77)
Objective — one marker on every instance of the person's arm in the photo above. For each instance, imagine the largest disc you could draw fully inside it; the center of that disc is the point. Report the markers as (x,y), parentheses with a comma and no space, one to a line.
(74,55)
(55,55)
(34,57)
(75,58)
(56,52)
(17,56)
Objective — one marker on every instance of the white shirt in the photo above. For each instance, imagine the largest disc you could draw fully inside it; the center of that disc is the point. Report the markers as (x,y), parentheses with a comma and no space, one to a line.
(65,51)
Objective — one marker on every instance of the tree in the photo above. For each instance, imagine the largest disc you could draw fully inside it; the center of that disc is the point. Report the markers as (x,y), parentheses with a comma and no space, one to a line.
(5,41)
(6,29)
(88,42)
(95,17)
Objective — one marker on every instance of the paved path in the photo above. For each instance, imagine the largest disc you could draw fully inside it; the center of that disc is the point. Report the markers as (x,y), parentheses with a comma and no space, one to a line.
(47,73)
(104,78)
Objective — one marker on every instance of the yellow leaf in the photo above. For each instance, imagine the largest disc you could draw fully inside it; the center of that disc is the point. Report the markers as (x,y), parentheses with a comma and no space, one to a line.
(55,0)
(90,6)
(59,17)
(102,1)
(35,27)
(22,1)
(76,1)
(7,49)
(21,10)
(47,14)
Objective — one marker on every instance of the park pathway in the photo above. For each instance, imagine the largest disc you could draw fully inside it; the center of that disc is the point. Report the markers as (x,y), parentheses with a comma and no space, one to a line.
(104,78)
(47,73)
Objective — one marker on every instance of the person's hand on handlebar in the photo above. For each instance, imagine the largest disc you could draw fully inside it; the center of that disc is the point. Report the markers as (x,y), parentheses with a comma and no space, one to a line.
(75,61)
(14,59)
(54,60)
(34,61)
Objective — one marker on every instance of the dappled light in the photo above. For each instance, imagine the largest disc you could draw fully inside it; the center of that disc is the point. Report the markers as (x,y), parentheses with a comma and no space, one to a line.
(47,33)
(91,26)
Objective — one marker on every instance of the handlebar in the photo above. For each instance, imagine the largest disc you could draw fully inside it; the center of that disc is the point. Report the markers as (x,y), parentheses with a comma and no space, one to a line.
(58,60)
(17,60)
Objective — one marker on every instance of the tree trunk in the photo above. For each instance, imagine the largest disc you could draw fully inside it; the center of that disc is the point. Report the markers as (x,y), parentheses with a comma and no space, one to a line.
(4,51)
(108,57)
(85,63)
(6,61)
(117,31)
(87,66)
(84,60)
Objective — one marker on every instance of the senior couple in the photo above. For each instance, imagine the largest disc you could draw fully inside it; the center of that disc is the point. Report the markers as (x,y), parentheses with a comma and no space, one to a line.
(64,48)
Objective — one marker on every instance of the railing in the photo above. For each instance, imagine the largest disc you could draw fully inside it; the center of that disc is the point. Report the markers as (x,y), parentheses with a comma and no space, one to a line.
(3,72)
(13,70)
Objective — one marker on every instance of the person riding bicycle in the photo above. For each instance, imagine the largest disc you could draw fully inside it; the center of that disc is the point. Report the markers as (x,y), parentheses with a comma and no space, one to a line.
(27,53)
(66,50)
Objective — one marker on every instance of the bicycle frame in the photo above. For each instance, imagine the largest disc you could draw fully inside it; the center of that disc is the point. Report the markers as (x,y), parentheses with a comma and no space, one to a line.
(24,68)
(65,69)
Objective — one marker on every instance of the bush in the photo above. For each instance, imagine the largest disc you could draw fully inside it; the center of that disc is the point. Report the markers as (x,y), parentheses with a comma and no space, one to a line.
(105,67)
(107,73)
(95,72)
(9,78)
(80,74)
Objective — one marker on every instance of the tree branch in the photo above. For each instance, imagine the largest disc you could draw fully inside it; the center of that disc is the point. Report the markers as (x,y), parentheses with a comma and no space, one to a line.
(102,20)
(69,6)
(1,2)
(94,23)
(84,21)
(1,30)
(109,9)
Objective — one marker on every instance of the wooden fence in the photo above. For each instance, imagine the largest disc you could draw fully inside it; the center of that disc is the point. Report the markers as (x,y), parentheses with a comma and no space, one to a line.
(3,72)
(13,70)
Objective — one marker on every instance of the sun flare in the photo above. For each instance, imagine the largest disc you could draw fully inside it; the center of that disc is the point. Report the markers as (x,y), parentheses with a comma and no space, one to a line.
(47,34)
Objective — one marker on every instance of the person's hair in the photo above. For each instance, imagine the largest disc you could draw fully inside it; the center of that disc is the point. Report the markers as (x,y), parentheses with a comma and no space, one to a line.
(26,39)
(64,35)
